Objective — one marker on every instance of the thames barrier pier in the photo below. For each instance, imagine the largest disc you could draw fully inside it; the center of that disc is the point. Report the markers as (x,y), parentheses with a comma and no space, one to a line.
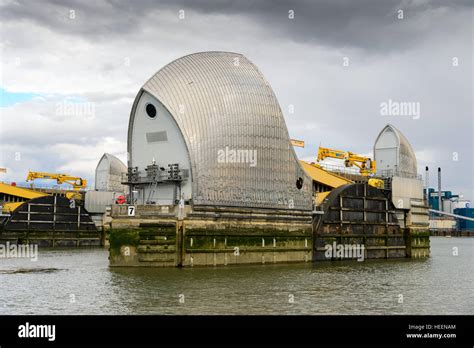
(213,179)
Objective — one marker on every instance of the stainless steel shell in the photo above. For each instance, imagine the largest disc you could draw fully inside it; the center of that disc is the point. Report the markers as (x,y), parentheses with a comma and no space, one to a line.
(222,103)
(405,158)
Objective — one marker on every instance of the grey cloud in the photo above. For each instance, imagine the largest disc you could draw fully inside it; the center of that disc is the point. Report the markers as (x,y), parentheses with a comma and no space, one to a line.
(364,24)
(407,60)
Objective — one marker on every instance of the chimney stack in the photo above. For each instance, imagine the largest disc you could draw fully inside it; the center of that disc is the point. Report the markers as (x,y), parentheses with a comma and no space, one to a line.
(440,202)
(427,183)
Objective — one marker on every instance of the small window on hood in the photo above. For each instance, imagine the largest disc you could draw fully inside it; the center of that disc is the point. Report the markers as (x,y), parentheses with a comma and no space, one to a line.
(150,110)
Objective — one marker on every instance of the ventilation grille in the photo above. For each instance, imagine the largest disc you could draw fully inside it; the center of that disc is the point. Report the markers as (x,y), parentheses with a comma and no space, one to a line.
(156,137)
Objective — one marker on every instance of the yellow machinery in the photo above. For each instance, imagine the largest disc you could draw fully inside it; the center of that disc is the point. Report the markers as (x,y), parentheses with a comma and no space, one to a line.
(18,195)
(332,180)
(320,175)
(378,183)
(366,165)
(76,182)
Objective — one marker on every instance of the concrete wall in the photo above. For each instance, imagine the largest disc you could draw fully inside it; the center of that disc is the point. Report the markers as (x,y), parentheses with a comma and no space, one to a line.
(404,190)
(167,235)
(98,201)
(157,238)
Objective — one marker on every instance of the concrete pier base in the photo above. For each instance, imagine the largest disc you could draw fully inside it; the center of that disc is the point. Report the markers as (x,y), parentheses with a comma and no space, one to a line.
(208,237)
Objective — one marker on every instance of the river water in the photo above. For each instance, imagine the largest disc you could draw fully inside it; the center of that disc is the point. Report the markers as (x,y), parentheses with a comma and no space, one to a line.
(79,281)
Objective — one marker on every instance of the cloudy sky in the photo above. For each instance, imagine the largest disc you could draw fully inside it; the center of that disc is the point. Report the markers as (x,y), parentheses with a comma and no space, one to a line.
(71,69)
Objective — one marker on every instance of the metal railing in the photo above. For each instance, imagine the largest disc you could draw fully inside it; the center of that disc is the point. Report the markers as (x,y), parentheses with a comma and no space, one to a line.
(339,169)
(389,173)
(450,214)
(46,186)
(154,175)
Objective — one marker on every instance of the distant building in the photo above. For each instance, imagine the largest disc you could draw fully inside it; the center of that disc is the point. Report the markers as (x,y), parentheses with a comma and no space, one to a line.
(449,201)
(442,224)
(465,225)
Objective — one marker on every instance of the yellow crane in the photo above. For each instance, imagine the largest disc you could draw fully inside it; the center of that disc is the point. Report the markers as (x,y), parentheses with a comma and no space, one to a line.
(76,182)
(367,166)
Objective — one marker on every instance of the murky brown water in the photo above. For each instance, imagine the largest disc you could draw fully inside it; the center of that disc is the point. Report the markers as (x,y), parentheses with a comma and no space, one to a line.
(74,281)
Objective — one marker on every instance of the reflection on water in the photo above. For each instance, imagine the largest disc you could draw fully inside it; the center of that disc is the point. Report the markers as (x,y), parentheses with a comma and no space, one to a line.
(78,281)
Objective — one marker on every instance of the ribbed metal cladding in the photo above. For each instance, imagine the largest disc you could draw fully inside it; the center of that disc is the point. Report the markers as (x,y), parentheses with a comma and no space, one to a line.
(220,101)
(408,165)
